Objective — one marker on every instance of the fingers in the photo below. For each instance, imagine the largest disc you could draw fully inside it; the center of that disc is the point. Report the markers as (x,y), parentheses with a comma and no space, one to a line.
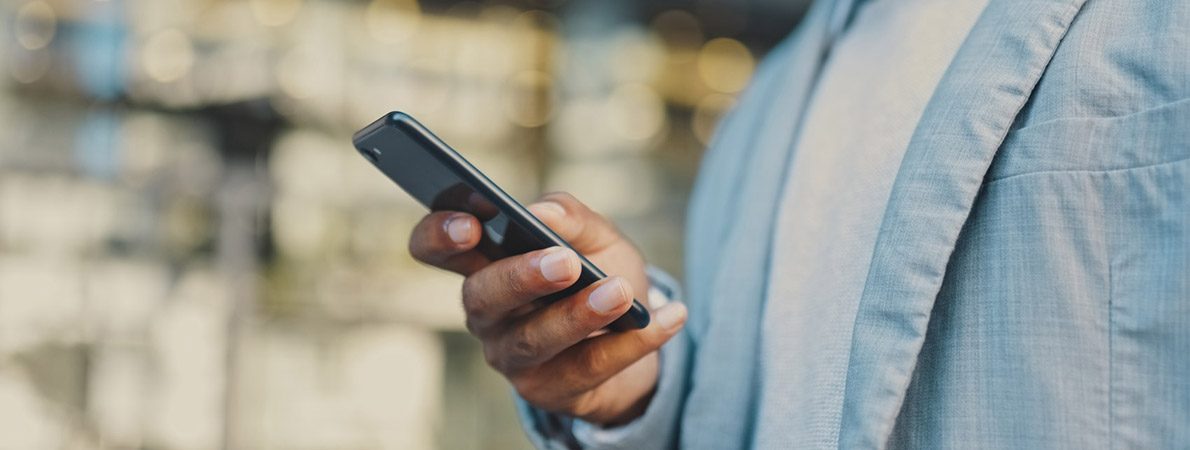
(593,361)
(540,336)
(583,228)
(447,240)
(490,294)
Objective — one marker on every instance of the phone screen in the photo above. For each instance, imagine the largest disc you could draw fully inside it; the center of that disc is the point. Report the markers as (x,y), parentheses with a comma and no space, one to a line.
(409,162)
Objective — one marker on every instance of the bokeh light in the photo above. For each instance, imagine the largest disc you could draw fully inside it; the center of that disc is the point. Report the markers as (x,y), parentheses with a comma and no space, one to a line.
(167,56)
(680,31)
(192,255)
(725,65)
(297,73)
(275,13)
(638,56)
(392,21)
(36,24)
(635,111)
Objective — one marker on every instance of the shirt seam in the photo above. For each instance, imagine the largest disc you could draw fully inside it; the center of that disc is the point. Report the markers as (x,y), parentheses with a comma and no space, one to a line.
(1084,171)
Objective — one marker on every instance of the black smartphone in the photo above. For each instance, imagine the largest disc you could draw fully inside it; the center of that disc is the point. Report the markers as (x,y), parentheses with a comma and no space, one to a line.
(442,180)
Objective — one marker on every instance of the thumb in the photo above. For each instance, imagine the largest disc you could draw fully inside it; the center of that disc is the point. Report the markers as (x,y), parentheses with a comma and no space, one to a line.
(583,228)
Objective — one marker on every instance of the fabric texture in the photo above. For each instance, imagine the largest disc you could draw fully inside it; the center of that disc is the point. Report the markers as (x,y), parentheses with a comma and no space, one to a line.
(875,83)
(1029,280)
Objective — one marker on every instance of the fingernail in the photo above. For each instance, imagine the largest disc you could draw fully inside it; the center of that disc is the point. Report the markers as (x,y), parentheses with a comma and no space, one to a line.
(459,229)
(557,264)
(671,315)
(549,208)
(609,296)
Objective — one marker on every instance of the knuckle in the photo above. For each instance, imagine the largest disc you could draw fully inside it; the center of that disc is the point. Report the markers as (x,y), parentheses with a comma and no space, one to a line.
(476,309)
(471,297)
(580,318)
(521,347)
(594,360)
(575,321)
(519,282)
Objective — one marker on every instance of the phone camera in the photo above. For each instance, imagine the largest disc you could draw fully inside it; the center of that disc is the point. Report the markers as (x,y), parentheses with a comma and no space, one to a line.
(372,154)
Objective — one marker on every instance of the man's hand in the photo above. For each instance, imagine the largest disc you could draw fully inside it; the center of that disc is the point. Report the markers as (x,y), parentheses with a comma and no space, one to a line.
(546,353)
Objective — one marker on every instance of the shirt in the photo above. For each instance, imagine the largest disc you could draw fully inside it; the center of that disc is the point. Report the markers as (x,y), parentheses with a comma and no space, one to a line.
(1028,283)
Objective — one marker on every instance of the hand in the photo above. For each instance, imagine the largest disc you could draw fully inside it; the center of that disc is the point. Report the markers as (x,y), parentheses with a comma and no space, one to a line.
(549,354)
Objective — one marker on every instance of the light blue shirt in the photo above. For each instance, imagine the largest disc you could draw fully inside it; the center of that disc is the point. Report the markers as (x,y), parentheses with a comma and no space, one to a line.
(1027,280)
(875,83)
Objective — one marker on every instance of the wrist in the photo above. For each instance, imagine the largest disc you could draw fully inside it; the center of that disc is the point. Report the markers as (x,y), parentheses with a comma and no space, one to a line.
(632,412)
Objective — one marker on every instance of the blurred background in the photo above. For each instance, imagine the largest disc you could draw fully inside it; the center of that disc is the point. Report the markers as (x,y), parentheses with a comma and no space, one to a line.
(193,257)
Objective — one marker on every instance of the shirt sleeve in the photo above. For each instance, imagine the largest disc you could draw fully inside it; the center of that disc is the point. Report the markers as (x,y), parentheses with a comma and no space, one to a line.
(656,428)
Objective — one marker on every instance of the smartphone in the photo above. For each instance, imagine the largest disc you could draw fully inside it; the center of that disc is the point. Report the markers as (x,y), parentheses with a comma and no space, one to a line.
(442,180)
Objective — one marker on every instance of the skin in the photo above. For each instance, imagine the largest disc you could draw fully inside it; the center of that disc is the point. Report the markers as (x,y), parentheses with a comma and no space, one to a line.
(555,357)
